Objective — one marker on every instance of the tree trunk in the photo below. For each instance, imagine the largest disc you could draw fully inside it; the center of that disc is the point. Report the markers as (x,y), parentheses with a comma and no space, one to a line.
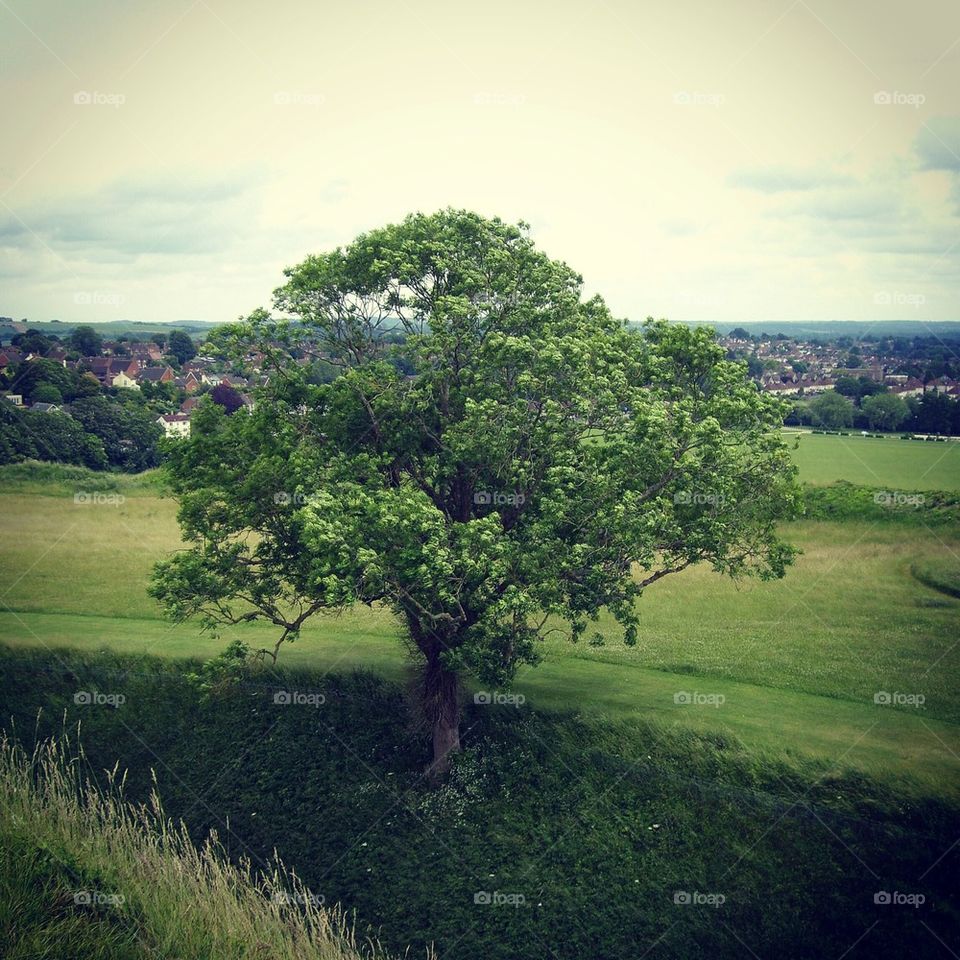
(442,704)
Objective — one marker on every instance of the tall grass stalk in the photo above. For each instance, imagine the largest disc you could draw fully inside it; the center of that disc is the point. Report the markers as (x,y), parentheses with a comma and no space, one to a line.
(185,901)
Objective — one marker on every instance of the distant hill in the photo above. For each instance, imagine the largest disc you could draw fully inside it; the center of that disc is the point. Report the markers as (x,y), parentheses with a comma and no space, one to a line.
(110,329)
(831,329)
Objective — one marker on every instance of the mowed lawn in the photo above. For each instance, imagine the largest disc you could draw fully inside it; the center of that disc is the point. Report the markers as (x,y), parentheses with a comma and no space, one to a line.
(797,662)
(888,462)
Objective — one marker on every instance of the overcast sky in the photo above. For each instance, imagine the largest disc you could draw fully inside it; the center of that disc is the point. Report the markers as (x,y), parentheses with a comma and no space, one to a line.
(744,160)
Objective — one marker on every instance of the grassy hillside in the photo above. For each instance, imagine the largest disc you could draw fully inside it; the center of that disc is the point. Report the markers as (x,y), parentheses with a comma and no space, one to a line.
(799,661)
(887,462)
(88,874)
(556,836)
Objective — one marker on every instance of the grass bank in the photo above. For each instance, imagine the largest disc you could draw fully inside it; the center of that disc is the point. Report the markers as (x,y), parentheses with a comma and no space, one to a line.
(557,835)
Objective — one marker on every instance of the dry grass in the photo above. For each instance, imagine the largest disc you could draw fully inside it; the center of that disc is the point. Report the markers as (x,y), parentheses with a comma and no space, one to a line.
(185,901)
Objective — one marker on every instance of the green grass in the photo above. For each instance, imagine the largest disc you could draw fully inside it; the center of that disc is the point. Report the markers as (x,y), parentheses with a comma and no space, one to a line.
(144,889)
(889,462)
(799,660)
(596,824)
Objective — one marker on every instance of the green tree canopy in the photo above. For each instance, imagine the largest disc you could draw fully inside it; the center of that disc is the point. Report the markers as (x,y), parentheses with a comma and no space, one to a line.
(86,341)
(540,464)
(832,411)
(884,411)
(181,346)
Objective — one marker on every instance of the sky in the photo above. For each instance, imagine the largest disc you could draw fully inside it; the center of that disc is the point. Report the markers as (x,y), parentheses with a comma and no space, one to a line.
(735,161)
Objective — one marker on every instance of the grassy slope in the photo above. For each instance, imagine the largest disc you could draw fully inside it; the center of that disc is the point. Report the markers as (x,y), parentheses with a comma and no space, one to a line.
(889,462)
(596,826)
(798,661)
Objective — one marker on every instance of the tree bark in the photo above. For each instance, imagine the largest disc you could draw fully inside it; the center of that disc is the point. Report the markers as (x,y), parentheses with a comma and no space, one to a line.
(442,704)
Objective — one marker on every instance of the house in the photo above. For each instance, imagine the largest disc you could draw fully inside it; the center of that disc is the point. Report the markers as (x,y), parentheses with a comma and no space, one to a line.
(155,375)
(47,407)
(189,383)
(189,405)
(913,387)
(122,380)
(10,357)
(106,369)
(175,424)
(144,350)
(15,398)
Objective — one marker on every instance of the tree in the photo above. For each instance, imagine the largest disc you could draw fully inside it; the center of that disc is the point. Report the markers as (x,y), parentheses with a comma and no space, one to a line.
(543,463)
(884,411)
(86,341)
(181,346)
(227,397)
(832,411)
(129,432)
(47,393)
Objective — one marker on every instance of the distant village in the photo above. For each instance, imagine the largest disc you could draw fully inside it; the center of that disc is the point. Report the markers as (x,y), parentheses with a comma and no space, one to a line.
(119,396)
(798,368)
(138,365)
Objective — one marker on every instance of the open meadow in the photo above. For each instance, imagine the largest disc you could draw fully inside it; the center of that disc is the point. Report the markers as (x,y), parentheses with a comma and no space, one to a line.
(797,739)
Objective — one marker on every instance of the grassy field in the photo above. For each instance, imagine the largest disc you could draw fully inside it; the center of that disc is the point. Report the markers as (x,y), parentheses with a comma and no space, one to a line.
(888,462)
(799,661)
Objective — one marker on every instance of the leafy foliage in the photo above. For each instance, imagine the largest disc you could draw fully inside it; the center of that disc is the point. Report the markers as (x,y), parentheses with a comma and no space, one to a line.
(540,462)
